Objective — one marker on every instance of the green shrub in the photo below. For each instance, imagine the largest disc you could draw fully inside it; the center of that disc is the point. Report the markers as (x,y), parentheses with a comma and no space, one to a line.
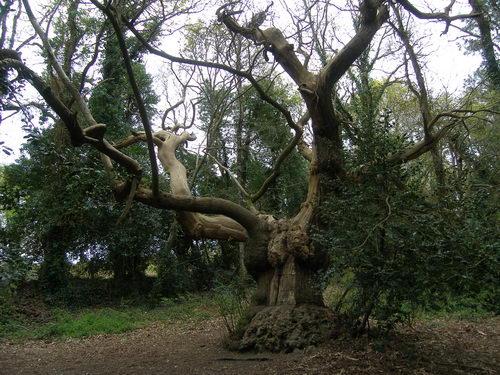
(395,252)
(7,310)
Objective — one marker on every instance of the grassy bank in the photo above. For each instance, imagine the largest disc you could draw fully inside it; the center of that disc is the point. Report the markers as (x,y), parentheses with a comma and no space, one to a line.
(60,323)
(65,323)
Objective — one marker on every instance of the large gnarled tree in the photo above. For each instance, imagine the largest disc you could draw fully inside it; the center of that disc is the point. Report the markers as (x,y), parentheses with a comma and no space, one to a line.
(279,254)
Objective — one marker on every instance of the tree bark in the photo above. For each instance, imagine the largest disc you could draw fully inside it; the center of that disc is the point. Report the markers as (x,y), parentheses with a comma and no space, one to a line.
(488,50)
(197,225)
(54,271)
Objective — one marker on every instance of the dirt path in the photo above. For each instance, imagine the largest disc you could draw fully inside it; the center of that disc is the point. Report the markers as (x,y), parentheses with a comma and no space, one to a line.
(432,348)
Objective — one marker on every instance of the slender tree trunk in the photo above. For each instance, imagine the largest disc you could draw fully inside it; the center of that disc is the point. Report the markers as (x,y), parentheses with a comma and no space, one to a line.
(488,50)
(242,269)
(439,171)
(54,271)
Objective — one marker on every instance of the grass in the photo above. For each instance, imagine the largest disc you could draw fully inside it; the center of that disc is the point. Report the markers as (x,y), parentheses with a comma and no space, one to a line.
(455,313)
(66,323)
(89,322)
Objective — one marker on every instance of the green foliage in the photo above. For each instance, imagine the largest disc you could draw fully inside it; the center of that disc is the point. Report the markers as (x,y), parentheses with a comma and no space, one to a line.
(258,133)
(173,276)
(390,257)
(60,202)
(7,309)
(395,248)
(61,209)
(185,266)
(457,308)
(397,243)
(481,36)
(14,268)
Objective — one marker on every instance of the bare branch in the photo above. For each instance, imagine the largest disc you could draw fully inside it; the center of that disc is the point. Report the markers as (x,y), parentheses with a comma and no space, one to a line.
(204,205)
(14,25)
(262,94)
(372,19)
(444,16)
(233,177)
(110,13)
(421,93)
(273,41)
(93,60)
(419,148)
(130,198)
(281,158)
(60,72)
(181,100)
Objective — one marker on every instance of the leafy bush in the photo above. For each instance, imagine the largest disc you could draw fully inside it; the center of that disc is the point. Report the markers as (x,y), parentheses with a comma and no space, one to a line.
(394,251)
(7,310)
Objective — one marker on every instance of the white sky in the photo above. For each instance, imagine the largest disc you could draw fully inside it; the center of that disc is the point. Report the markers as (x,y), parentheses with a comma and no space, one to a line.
(447,68)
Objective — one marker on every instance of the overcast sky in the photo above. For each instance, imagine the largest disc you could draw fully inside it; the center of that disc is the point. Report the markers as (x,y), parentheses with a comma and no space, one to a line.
(447,67)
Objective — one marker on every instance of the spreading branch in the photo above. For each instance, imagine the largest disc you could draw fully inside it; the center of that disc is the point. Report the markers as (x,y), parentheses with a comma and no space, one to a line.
(207,64)
(372,18)
(233,221)
(443,16)
(456,116)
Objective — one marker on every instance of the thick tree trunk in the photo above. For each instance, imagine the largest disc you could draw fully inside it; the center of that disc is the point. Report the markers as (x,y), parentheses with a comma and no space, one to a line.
(291,283)
(288,311)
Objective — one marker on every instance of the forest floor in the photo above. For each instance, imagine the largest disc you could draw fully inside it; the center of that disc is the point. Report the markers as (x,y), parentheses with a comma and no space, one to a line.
(437,346)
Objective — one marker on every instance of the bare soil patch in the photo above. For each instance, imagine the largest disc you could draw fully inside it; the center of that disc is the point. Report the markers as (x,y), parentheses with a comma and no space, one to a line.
(435,347)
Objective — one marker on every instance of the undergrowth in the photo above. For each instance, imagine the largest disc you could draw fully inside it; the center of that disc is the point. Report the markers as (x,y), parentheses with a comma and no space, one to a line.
(232,299)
